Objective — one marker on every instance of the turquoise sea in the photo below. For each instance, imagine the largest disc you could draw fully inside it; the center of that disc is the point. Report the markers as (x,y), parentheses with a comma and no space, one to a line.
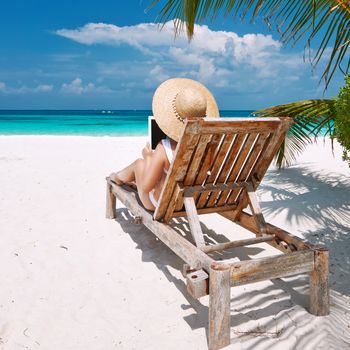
(85,122)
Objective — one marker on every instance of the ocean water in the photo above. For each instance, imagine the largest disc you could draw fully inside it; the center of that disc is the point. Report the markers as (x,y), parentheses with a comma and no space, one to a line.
(87,122)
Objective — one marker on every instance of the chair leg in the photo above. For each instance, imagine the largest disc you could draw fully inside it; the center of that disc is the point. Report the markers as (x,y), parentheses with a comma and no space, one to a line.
(110,202)
(319,288)
(219,306)
(193,221)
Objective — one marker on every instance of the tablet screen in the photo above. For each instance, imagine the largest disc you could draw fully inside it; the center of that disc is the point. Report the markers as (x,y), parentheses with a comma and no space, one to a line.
(155,134)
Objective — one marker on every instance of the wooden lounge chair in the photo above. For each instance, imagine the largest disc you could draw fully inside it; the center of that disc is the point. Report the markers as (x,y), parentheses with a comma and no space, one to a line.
(217,168)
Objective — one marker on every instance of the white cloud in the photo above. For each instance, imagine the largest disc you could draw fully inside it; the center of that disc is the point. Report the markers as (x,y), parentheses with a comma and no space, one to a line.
(211,54)
(37,89)
(64,57)
(230,64)
(205,65)
(145,36)
(156,76)
(76,87)
(42,88)
(138,35)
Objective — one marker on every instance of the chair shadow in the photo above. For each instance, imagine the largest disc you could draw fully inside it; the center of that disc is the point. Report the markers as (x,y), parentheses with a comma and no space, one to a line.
(318,200)
(321,200)
(153,250)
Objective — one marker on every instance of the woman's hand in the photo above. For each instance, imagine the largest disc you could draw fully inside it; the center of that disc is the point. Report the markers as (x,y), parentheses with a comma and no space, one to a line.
(147,151)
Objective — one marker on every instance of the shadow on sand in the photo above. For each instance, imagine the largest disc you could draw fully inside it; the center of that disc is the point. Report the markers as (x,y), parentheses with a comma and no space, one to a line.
(258,304)
(272,310)
(320,201)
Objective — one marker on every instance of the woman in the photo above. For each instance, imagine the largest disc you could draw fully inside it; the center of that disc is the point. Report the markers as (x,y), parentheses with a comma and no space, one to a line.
(148,172)
(174,101)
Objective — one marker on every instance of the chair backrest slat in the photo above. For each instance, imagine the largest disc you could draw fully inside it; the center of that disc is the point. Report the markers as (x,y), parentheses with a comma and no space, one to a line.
(225,126)
(231,154)
(213,151)
(271,149)
(244,139)
(241,159)
(194,165)
(247,168)
(214,171)
(208,161)
(177,171)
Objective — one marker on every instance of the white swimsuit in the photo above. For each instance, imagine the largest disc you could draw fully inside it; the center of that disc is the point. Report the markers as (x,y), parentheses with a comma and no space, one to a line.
(167,146)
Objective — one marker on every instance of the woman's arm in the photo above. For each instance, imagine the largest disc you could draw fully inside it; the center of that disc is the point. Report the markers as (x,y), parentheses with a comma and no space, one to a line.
(154,166)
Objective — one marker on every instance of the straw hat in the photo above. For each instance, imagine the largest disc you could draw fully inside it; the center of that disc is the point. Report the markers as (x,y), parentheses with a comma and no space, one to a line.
(180,98)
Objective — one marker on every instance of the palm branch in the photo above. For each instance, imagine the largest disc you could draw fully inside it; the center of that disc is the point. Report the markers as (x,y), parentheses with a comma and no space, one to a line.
(328,20)
(312,118)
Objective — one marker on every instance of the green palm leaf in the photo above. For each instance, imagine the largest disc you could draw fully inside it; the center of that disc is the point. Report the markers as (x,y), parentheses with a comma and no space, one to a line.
(312,118)
(328,20)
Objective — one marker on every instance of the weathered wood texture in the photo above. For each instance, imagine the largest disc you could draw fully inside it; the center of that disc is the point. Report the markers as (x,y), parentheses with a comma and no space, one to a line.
(250,271)
(197,283)
(110,202)
(261,164)
(169,211)
(249,168)
(243,165)
(186,269)
(270,148)
(180,245)
(193,221)
(194,166)
(219,171)
(208,162)
(219,307)
(225,126)
(176,173)
(219,153)
(292,242)
(319,288)
(235,244)
(191,190)
(256,210)
(228,168)
(224,208)
(239,149)
(217,167)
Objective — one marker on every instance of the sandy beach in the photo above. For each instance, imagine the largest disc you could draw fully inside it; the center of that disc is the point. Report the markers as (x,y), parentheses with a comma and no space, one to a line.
(73,280)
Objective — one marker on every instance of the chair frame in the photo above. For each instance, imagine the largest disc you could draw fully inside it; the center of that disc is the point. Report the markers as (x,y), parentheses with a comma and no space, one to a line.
(190,182)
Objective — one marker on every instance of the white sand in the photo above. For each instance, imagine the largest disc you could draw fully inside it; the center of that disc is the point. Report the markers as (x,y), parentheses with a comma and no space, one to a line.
(72,279)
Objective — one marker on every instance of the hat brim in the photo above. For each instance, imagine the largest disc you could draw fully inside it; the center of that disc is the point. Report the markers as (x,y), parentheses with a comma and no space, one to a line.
(162,106)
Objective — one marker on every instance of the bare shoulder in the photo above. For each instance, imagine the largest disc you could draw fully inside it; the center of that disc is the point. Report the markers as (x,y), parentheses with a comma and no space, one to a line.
(160,153)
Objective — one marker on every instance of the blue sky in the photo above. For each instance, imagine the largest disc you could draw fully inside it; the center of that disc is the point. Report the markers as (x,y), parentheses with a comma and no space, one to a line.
(109,54)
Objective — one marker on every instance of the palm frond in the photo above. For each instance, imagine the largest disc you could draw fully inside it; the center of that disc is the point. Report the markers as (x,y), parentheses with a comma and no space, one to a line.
(328,20)
(312,118)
